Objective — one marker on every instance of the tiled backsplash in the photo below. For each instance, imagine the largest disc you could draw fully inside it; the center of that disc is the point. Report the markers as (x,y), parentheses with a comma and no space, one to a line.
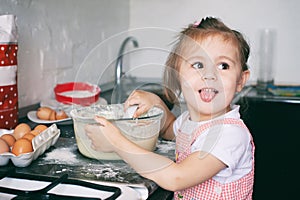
(65,40)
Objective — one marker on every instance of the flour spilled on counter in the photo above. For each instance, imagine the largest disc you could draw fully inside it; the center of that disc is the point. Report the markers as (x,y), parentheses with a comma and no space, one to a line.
(104,171)
(64,155)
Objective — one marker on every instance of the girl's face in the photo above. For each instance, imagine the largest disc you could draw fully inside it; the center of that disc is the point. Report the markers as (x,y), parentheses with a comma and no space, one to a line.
(210,75)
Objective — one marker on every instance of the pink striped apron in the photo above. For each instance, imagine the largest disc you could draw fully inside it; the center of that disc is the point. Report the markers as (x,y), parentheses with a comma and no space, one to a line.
(211,189)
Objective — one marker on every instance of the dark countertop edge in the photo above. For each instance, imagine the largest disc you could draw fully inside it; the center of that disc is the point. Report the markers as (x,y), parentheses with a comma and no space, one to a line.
(24,110)
(252,93)
(241,94)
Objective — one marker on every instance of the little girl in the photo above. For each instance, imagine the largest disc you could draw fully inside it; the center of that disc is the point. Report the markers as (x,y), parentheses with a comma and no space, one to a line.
(214,149)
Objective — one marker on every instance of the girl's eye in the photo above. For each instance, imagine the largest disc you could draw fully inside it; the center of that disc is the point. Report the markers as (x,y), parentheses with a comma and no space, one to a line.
(198,65)
(223,66)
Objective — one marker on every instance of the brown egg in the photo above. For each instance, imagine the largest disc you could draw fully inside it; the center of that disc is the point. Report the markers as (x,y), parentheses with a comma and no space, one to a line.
(3,146)
(40,128)
(9,139)
(21,130)
(22,146)
(61,115)
(44,113)
(35,132)
(29,136)
(52,115)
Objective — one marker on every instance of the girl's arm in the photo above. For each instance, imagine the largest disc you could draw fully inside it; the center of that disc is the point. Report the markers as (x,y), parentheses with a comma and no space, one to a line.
(167,174)
(147,100)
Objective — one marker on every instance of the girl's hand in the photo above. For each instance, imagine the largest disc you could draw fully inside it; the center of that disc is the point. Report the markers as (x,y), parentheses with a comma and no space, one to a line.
(103,135)
(147,100)
(144,100)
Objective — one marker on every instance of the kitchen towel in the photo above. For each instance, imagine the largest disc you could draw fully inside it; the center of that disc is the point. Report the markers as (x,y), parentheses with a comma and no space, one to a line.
(8,72)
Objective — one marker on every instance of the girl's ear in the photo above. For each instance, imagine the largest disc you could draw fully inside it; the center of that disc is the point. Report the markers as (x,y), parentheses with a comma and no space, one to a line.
(243,80)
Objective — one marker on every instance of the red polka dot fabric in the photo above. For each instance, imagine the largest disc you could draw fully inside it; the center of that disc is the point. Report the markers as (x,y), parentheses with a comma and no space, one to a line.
(8,54)
(8,74)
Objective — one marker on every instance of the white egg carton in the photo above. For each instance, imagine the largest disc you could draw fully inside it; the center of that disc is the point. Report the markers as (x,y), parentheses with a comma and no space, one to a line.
(40,144)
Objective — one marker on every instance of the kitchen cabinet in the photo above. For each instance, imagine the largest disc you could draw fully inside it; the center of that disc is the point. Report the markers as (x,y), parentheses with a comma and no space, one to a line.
(273,122)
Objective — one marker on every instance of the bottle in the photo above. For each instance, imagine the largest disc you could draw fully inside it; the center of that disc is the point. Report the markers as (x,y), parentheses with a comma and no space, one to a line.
(266,57)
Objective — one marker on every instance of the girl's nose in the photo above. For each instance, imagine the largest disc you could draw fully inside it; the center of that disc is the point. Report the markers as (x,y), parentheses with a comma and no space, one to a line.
(209,75)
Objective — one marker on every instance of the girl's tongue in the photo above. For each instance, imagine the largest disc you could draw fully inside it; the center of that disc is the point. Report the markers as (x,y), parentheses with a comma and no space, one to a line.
(207,94)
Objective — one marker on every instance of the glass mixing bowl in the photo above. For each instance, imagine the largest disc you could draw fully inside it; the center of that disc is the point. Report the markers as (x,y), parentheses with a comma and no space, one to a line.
(143,131)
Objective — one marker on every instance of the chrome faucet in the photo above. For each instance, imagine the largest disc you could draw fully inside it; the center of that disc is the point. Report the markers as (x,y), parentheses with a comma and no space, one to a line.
(119,68)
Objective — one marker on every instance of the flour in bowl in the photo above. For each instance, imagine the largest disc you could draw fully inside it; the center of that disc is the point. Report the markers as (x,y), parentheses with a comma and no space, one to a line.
(77,94)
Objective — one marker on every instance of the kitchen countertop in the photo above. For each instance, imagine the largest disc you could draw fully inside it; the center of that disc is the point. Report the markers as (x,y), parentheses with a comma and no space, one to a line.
(64,157)
(253,94)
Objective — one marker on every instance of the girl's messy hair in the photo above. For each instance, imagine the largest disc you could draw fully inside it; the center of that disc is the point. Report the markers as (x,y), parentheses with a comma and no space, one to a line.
(198,31)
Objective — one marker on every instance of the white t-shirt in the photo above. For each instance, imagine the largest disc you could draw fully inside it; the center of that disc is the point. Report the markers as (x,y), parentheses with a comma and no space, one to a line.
(229,143)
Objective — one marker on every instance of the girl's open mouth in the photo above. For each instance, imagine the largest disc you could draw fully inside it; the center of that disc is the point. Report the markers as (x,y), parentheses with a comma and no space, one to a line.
(207,94)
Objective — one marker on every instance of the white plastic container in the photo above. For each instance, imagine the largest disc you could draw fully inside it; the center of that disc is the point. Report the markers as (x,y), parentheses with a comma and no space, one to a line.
(40,144)
(143,131)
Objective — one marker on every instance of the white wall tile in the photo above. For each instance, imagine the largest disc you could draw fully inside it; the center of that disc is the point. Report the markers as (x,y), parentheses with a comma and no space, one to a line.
(56,38)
